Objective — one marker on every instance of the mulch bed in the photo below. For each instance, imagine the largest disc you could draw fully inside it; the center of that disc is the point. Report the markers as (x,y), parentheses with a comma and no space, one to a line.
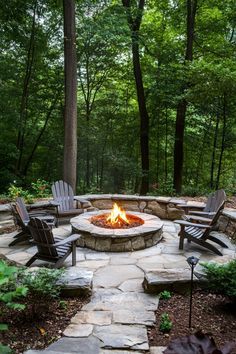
(39,324)
(211,313)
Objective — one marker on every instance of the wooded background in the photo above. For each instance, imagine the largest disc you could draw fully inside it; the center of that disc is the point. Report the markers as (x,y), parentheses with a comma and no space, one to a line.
(156,94)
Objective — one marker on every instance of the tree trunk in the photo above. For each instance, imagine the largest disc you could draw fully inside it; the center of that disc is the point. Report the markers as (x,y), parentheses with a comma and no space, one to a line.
(222,142)
(214,150)
(70,112)
(182,105)
(25,93)
(134,25)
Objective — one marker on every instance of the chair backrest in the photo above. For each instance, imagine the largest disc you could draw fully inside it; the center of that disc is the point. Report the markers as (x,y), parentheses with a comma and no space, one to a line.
(215,201)
(63,194)
(43,236)
(22,211)
(213,221)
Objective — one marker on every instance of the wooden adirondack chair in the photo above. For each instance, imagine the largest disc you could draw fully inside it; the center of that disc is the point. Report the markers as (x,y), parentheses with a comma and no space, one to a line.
(64,200)
(214,203)
(200,233)
(22,218)
(50,248)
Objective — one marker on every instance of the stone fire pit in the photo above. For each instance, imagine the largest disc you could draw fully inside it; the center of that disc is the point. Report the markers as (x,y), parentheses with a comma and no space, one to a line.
(117,240)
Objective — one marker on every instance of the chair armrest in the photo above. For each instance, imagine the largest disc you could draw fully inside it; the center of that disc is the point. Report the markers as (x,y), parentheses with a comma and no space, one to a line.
(54,203)
(189,206)
(200,219)
(202,213)
(187,223)
(84,202)
(59,243)
(71,238)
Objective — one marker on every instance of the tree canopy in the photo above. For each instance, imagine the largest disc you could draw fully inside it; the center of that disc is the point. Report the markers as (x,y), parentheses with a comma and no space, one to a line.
(109,149)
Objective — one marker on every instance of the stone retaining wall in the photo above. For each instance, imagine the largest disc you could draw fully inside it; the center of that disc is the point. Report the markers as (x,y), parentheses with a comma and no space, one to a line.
(227,223)
(163,207)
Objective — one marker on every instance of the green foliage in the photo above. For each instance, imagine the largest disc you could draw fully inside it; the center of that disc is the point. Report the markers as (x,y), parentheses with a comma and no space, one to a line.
(165,323)
(162,188)
(165,295)
(42,282)
(9,289)
(221,278)
(63,304)
(5,350)
(3,327)
(14,192)
(31,124)
(41,188)
(38,189)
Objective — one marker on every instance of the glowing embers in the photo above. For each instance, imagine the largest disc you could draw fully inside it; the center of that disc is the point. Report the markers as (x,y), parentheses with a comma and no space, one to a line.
(117,219)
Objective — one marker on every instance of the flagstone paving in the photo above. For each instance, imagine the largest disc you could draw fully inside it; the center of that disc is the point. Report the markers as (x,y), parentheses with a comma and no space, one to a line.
(115,320)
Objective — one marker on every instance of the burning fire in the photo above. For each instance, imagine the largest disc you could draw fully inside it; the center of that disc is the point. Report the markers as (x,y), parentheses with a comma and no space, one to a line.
(117,216)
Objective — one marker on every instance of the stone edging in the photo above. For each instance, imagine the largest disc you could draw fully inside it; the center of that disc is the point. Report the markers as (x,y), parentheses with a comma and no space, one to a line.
(117,240)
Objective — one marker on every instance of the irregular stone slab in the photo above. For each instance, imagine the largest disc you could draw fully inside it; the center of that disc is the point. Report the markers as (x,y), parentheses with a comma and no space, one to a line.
(94,264)
(78,330)
(141,317)
(122,336)
(93,317)
(45,351)
(115,260)
(97,256)
(5,240)
(157,350)
(174,213)
(105,301)
(151,267)
(132,285)
(177,280)
(89,345)
(114,351)
(112,276)
(20,257)
(76,282)
(5,251)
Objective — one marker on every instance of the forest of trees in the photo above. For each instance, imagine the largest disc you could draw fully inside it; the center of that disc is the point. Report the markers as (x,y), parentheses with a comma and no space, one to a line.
(155,88)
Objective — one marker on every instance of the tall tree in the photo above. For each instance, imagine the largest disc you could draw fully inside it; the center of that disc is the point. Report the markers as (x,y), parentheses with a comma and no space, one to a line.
(134,25)
(70,110)
(182,105)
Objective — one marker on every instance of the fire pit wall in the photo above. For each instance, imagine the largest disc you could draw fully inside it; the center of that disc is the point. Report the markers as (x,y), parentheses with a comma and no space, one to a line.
(163,207)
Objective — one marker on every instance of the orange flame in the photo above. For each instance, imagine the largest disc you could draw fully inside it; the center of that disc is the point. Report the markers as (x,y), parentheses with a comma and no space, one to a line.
(117,216)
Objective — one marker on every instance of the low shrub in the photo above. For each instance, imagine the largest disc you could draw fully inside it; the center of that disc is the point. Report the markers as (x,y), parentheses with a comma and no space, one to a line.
(221,278)
(165,295)
(9,291)
(42,282)
(165,323)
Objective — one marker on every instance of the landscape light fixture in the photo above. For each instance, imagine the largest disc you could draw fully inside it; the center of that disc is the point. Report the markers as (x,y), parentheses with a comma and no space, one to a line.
(192,261)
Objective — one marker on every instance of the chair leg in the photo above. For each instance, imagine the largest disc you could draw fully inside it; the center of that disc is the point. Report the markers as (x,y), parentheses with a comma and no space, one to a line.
(181,237)
(23,237)
(216,240)
(19,234)
(31,260)
(74,253)
(207,245)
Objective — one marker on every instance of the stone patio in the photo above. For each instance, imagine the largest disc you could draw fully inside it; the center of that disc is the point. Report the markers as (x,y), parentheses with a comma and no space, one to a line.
(116,319)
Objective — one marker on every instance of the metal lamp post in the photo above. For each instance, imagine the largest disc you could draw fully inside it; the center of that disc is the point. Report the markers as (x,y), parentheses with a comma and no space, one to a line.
(192,261)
